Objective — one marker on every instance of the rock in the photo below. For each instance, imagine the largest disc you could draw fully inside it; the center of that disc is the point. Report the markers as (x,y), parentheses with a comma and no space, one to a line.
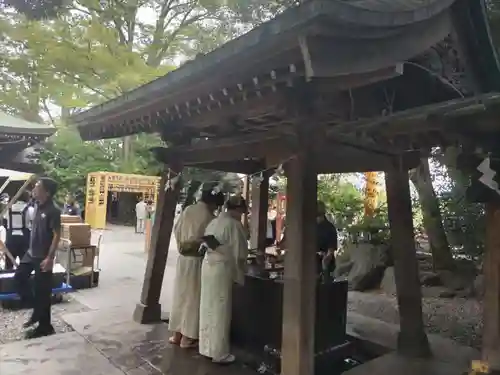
(388,284)
(343,264)
(478,287)
(466,293)
(453,280)
(343,269)
(467,269)
(438,292)
(430,279)
(368,265)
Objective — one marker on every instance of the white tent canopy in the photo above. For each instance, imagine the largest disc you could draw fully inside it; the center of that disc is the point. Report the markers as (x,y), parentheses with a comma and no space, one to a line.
(14,175)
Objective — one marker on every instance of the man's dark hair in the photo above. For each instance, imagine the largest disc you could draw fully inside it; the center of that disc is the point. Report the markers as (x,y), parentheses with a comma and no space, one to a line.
(49,185)
(211,197)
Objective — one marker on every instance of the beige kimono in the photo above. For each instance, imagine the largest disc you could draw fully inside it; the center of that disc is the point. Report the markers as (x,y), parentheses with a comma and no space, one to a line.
(220,269)
(185,311)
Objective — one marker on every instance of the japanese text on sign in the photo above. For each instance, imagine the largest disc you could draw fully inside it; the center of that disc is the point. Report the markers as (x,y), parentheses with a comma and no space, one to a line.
(102,191)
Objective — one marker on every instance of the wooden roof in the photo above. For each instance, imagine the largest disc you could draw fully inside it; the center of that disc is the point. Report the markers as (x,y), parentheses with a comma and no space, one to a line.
(15,127)
(364,41)
(238,108)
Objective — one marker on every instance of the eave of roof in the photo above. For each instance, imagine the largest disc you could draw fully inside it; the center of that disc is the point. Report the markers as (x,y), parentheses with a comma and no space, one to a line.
(11,125)
(357,13)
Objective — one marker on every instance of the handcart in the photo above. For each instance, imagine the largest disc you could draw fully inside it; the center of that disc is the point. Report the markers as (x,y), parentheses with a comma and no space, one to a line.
(82,264)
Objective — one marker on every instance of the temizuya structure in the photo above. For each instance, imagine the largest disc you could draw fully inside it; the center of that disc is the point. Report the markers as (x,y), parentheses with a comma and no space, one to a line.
(327,86)
(17,138)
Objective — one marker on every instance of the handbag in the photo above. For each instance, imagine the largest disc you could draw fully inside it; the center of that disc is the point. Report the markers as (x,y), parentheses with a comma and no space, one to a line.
(190,248)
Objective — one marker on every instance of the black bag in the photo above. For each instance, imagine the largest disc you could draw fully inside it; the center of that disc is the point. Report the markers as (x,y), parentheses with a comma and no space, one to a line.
(208,243)
(211,242)
(190,248)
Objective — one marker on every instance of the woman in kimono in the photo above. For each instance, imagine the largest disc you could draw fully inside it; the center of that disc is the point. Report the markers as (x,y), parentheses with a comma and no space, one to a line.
(221,267)
(189,228)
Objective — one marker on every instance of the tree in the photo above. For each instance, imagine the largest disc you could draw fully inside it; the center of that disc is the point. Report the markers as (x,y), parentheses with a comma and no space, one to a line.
(433,223)
(342,199)
(68,160)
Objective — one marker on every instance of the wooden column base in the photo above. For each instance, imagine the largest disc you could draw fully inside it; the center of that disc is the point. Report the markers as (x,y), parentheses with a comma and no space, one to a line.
(147,314)
(413,345)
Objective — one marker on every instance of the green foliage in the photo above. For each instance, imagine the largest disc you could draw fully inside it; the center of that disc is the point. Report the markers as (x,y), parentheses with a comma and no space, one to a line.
(68,160)
(342,199)
(94,51)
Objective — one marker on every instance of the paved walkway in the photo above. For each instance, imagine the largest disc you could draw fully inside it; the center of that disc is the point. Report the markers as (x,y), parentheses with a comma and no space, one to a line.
(122,264)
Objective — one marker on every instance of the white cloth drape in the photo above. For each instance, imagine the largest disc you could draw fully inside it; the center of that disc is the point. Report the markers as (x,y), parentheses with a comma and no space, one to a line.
(219,270)
(185,311)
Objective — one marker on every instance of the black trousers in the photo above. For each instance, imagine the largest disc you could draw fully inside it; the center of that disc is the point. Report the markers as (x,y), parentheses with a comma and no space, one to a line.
(18,245)
(41,293)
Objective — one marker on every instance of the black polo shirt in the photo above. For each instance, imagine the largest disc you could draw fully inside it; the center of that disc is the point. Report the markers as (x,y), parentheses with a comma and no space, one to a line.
(47,220)
(327,236)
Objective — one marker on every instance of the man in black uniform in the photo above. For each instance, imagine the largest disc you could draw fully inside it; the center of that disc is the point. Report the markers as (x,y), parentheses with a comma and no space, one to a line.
(327,241)
(45,236)
(326,244)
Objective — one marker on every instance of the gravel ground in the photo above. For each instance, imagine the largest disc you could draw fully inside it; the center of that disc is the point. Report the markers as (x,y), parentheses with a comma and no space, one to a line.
(11,321)
(457,318)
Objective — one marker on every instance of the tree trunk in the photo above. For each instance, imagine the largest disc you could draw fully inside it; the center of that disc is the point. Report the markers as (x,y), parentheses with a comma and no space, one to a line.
(433,223)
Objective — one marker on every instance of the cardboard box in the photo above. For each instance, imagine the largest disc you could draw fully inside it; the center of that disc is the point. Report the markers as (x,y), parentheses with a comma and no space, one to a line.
(69,219)
(79,234)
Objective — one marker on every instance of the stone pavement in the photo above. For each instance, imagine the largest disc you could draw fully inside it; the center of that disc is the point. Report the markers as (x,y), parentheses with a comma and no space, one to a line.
(107,342)
(122,264)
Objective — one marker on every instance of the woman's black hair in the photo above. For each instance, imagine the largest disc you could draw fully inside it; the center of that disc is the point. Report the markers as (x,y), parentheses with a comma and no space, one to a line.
(236,202)
(211,197)
(49,185)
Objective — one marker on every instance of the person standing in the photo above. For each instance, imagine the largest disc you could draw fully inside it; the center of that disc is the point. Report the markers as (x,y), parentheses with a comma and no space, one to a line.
(326,245)
(45,236)
(220,268)
(189,228)
(18,232)
(272,216)
(141,210)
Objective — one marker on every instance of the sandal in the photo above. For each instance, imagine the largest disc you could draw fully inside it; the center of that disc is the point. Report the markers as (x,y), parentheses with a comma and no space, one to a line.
(187,343)
(226,360)
(175,339)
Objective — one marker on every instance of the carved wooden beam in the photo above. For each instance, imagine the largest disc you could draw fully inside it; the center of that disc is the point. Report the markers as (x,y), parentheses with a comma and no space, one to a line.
(237,166)
(247,147)
(361,162)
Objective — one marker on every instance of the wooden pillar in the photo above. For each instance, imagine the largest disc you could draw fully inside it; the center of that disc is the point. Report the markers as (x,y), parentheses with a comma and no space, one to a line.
(299,300)
(412,340)
(491,304)
(258,225)
(149,309)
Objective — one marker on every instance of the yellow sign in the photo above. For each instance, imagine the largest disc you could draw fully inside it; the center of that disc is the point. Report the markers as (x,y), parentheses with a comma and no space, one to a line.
(99,184)
(371,193)
(479,367)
